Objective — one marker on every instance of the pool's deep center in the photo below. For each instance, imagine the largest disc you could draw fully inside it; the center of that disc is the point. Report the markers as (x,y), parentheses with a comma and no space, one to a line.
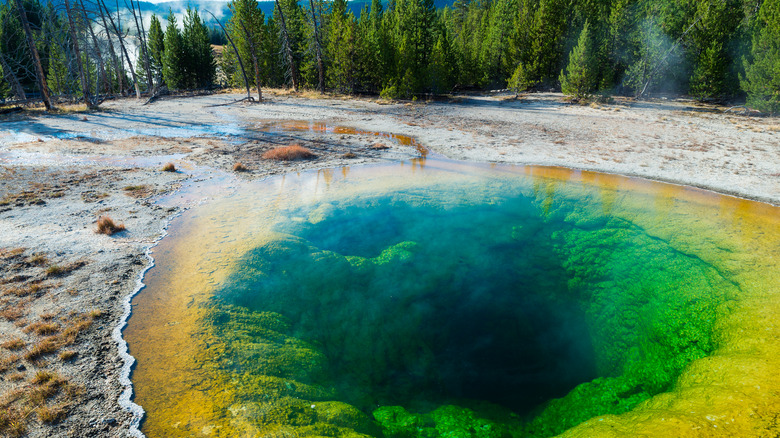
(396,301)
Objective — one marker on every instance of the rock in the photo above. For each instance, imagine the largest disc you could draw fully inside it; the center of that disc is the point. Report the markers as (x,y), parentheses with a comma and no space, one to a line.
(20,367)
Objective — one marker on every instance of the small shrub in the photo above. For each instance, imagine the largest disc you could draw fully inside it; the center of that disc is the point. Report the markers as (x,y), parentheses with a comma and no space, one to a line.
(170,167)
(289,153)
(13,344)
(106,225)
(238,167)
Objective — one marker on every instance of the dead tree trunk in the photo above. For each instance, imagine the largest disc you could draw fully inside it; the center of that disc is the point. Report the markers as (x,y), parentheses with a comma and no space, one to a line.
(124,50)
(318,47)
(36,58)
(11,78)
(112,52)
(101,66)
(287,47)
(144,52)
(238,56)
(255,62)
(77,52)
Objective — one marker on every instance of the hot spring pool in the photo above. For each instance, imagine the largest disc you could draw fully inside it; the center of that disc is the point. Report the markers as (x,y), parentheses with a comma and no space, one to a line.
(444,299)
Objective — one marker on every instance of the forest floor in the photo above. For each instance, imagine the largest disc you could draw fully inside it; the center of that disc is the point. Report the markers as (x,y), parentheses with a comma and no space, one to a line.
(63,287)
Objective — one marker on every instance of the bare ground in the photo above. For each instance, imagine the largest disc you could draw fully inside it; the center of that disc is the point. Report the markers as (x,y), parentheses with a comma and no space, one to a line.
(63,285)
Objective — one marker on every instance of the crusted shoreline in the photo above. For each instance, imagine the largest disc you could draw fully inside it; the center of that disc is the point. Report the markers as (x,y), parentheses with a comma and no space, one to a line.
(65,286)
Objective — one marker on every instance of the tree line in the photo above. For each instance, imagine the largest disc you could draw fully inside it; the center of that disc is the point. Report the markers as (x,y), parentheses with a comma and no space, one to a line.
(710,49)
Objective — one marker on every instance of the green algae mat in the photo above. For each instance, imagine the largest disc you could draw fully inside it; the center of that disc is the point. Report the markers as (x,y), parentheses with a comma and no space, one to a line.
(442,299)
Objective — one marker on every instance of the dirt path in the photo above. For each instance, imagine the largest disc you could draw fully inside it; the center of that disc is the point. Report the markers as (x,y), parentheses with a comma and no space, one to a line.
(63,285)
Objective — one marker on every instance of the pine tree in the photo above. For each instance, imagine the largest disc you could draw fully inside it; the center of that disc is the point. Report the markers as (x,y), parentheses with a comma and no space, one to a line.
(156,47)
(579,80)
(762,75)
(341,48)
(199,65)
(173,55)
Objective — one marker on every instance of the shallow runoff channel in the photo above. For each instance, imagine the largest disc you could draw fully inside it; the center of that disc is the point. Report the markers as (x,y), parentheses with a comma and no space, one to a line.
(442,298)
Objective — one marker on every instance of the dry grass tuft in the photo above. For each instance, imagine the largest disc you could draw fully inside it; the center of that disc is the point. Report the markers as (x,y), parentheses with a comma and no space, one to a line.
(106,225)
(54,271)
(238,167)
(45,346)
(13,344)
(379,146)
(67,355)
(140,191)
(289,153)
(12,313)
(42,377)
(95,313)
(43,328)
(169,168)
(51,415)
(38,260)
(349,155)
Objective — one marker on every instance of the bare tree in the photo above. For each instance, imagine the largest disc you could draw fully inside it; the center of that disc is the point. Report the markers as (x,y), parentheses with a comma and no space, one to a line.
(318,48)
(98,53)
(287,47)
(36,58)
(77,53)
(117,69)
(144,52)
(256,63)
(11,78)
(118,33)
(238,56)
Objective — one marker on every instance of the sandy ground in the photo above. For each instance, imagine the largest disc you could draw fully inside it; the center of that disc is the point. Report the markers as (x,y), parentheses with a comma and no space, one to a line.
(63,285)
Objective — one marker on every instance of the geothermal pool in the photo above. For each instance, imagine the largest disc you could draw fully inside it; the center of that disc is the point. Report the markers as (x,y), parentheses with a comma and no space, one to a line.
(437,298)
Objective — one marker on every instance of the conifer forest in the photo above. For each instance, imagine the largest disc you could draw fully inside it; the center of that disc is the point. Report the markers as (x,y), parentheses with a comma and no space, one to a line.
(90,50)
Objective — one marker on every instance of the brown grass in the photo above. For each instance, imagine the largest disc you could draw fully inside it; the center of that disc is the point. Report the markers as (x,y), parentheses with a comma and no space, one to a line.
(379,146)
(45,346)
(67,355)
(43,328)
(349,155)
(51,415)
(54,270)
(140,191)
(13,344)
(289,153)
(238,167)
(38,260)
(106,225)
(170,167)
(11,313)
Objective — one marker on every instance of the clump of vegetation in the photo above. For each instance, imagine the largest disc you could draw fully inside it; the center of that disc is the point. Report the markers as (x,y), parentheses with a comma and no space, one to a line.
(67,355)
(38,260)
(54,270)
(349,155)
(289,153)
(106,225)
(45,346)
(170,167)
(43,328)
(379,146)
(13,344)
(138,191)
(238,167)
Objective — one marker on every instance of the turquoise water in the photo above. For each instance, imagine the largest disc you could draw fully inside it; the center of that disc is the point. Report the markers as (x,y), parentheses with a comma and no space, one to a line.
(446,300)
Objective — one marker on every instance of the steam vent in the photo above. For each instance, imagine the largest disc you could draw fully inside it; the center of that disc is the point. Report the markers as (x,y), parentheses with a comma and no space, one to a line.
(440,299)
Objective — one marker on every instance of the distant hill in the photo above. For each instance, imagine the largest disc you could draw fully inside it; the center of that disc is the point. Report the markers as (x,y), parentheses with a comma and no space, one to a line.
(220,8)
